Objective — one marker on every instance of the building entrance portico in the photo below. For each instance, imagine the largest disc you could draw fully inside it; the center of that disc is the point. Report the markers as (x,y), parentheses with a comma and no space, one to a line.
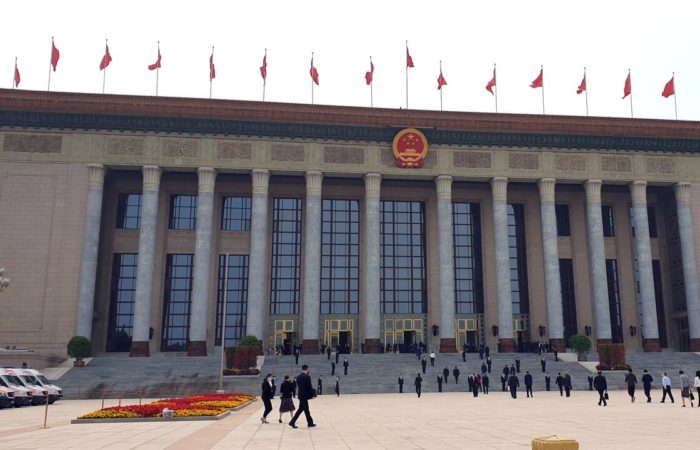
(469,333)
(339,333)
(404,332)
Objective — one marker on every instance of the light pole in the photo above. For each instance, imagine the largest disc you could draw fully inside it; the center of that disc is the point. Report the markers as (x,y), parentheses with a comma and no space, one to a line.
(4,282)
(223,328)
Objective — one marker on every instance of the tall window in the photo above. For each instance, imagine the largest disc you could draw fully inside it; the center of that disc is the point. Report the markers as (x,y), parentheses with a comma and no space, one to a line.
(518,264)
(176,304)
(608,221)
(466,231)
(402,253)
(340,265)
(121,305)
(183,212)
(236,298)
(568,298)
(614,301)
(660,310)
(235,214)
(286,256)
(563,224)
(129,211)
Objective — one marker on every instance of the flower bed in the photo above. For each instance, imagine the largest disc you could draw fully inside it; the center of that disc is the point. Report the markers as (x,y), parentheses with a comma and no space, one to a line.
(248,371)
(192,406)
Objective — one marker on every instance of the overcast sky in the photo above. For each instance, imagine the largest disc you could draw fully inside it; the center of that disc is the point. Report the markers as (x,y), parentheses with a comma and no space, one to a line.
(653,38)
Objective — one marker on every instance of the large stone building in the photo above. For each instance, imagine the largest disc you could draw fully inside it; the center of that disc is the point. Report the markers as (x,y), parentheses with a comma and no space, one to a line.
(129,219)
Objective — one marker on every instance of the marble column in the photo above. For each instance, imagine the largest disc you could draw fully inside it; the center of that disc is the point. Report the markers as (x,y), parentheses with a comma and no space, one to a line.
(690,272)
(144,272)
(645,274)
(552,279)
(257,261)
(499,188)
(312,264)
(199,312)
(596,261)
(372,264)
(91,243)
(447,265)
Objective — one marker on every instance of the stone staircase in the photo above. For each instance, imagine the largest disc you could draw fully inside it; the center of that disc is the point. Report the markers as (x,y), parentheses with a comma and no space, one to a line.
(117,376)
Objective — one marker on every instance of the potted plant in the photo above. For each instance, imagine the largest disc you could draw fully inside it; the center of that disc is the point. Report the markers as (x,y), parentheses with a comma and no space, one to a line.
(581,345)
(79,347)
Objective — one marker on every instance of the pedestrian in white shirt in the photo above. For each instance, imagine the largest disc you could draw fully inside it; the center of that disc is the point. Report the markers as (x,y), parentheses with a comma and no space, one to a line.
(666,383)
(696,385)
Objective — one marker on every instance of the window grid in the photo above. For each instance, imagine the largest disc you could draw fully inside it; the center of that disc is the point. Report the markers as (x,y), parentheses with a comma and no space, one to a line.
(286,256)
(402,253)
(518,264)
(340,266)
(466,230)
(568,298)
(608,221)
(235,214)
(614,301)
(563,223)
(129,211)
(183,212)
(121,311)
(659,296)
(236,298)
(176,304)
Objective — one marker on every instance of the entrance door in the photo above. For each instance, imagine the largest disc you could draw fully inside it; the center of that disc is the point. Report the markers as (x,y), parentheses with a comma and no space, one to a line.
(344,341)
(290,339)
(409,337)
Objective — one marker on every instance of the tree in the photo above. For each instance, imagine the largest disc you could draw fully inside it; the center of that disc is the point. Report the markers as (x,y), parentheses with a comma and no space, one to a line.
(581,345)
(79,347)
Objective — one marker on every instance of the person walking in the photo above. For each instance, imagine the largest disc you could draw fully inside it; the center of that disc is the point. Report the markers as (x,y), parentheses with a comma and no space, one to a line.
(423,363)
(432,359)
(590,382)
(513,384)
(543,363)
(332,367)
(646,383)
(266,396)
(631,382)
(286,402)
(319,386)
(601,385)
(305,392)
(517,364)
(488,363)
(455,372)
(685,388)
(337,386)
(400,384)
(417,383)
(337,353)
(696,385)
(666,384)
(487,352)
(481,351)
(484,369)
(512,369)
(528,383)
(504,380)
(470,382)
(547,381)
(556,355)
(464,355)
(485,383)
(476,385)
(439,382)
(445,374)
(559,381)
(296,355)
(345,366)
(567,384)
(328,352)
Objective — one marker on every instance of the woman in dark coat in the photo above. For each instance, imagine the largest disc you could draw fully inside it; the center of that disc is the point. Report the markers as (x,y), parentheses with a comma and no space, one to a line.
(286,394)
(266,396)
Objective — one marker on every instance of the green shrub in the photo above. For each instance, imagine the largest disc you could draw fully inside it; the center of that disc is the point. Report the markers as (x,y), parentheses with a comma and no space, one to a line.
(581,345)
(79,347)
(249,341)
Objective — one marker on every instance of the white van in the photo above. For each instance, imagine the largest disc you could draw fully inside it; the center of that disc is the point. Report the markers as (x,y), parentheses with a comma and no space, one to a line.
(23,396)
(37,378)
(39,394)
(7,397)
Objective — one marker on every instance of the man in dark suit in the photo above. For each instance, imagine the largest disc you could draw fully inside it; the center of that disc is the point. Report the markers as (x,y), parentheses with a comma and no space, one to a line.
(332,367)
(517,364)
(305,392)
(485,383)
(417,383)
(567,384)
(455,372)
(601,385)
(488,362)
(345,366)
(423,363)
(445,374)
(646,382)
(439,381)
(487,352)
(504,380)
(543,363)
(547,381)
(464,355)
(528,383)
(513,384)
(296,355)
(400,384)
(319,386)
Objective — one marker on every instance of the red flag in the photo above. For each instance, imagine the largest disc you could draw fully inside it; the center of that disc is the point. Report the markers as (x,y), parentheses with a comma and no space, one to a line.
(582,86)
(370,74)
(106,59)
(409,60)
(628,85)
(17,77)
(155,65)
(313,72)
(263,68)
(212,69)
(539,81)
(441,81)
(669,89)
(491,84)
(55,54)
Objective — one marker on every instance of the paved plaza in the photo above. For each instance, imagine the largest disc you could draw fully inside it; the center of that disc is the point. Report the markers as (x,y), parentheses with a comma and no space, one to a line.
(381,421)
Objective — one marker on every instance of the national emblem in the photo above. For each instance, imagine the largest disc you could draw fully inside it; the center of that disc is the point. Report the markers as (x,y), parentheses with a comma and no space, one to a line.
(410,148)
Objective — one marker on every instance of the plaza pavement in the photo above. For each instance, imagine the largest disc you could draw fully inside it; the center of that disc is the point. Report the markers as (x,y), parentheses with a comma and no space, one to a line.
(381,421)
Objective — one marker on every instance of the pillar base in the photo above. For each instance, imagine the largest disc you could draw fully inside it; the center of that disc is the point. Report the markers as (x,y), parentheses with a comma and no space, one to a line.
(197,348)
(139,348)
(373,346)
(310,347)
(448,345)
(506,345)
(604,341)
(651,345)
(557,344)
(695,345)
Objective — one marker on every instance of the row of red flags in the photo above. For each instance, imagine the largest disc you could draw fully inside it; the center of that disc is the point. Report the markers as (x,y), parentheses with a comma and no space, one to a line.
(668,90)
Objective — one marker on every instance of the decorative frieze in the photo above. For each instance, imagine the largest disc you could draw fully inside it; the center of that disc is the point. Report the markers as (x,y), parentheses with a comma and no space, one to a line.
(528,161)
(287,152)
(234,150)
(32,143)
(124,146)
(343,155)
(616,164)
(181,148)
(570,163)
(471,160)
(660,165)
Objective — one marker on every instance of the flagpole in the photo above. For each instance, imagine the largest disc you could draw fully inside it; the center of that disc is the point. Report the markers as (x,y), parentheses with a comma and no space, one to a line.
(104,72)
(586,91)
(542,72)
(312,79)
(440,86)
(675,105)
(158,69)
(406,62)
(495,86)
(629,73)
(371,84)
(14,79)
(210,78)
(265,77)
(51,56)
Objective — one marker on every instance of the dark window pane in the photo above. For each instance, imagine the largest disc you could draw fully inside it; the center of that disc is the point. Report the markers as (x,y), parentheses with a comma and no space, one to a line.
(608,221)
(176,304)
(466,225)
(286,256)
(183,212)
(614,301)
(563,225)
(235,214)
(129,211)
(518,258)
(122,295)
(233,280)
